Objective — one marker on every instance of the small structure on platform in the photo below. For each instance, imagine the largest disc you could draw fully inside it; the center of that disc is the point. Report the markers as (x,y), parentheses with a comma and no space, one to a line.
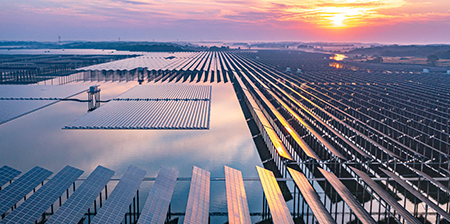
(299,71)
(93,97)
(426,70)
(288,69)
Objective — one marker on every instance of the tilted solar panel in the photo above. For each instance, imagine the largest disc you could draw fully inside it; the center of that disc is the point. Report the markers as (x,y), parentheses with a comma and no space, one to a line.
(21,187)
(40,201)
(115,207)
(6,174)
(197,210)
(236,198)
(278,208)
(79,202)
(158,200)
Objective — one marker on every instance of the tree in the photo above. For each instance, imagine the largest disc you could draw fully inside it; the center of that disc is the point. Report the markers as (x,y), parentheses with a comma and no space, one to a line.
(377,59)
(432,59)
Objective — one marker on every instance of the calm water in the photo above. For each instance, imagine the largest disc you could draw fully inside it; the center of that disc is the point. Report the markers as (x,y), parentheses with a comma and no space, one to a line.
(37,139)
(66,51)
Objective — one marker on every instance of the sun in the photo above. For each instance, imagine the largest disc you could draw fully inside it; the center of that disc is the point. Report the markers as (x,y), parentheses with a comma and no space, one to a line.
(338,20)
(341,17)
(342,14)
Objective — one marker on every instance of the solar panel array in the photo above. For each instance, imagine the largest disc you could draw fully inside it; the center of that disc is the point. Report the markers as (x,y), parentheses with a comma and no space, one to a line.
(150,60)
(197,210)
(158,200)
(18,189)
(39,202)
(152,107)
(79,202)
(167,92)
(116,206)
(363,216)
(6,174)
(387,197)
(419,195)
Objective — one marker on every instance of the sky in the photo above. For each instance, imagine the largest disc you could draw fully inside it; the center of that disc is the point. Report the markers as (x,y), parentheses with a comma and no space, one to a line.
(367,21)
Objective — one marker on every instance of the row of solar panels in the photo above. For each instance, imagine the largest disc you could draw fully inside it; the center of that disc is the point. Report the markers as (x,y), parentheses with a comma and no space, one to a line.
(113,210)
(149,60)
(142,107)
(152,107)
(200,61)
(157,203)
(256,99)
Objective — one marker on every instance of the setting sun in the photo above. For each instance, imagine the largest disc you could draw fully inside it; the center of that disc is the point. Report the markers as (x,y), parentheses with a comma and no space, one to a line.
(343,14)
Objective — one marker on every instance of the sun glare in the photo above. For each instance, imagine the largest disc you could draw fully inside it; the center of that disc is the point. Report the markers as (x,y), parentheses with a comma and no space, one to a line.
(338,20)
(338,57)
(339,14)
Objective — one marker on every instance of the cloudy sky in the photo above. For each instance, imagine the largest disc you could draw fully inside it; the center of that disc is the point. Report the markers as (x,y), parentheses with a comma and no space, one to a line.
(382,21)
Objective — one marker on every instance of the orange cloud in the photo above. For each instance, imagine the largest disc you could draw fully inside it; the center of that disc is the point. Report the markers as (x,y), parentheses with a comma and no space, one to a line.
(329,14)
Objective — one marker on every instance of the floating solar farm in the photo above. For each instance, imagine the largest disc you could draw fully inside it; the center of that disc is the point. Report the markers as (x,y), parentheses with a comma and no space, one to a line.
(152,107)
(339,142)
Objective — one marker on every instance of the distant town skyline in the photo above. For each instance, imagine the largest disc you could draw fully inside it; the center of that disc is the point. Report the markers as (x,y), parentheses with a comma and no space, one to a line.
(380,21)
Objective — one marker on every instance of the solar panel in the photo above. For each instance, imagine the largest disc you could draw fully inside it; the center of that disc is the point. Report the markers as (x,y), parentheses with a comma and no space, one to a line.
(432,180)
(80,201)
(236,198)
(151,61)
(386,197)
(197,210)
(40,201)
(347,196)
(21,187)
(173,114)
(270,133)
(167,92)
(416,193)
(6,174)
(278,208)
(320,212)
(158,200)
(116,206)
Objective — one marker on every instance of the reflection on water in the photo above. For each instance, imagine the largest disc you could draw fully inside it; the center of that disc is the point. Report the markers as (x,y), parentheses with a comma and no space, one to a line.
(335,65)
(66,51)
(338,57)
(37,139)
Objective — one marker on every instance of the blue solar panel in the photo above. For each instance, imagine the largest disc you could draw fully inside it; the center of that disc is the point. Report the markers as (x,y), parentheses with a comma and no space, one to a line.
(40,201)
(80,201)
(115,207)
(21,187)
(6,174)
(158,200)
